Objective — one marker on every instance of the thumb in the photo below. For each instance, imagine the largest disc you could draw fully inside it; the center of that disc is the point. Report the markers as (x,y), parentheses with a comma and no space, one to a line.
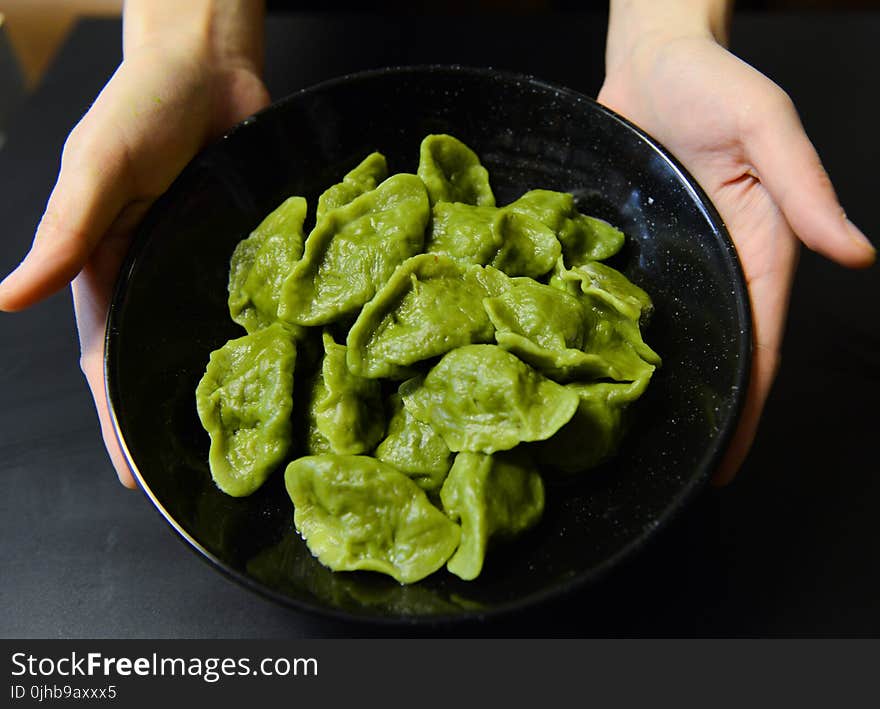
(92,189)
(790,169)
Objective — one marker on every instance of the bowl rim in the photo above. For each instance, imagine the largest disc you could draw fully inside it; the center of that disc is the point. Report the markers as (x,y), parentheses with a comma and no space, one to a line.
(563,587)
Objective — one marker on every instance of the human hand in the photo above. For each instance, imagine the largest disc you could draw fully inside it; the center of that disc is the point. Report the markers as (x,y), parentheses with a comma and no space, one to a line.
(739,135)
(167,99)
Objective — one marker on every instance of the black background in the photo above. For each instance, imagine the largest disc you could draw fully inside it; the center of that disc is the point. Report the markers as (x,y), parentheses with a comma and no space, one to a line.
(792,548)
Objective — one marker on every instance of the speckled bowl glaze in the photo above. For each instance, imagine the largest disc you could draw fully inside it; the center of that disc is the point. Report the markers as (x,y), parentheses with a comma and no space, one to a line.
(169,313)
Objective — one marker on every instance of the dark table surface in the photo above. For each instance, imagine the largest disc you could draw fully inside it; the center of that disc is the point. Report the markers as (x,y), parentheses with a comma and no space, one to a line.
(792,548)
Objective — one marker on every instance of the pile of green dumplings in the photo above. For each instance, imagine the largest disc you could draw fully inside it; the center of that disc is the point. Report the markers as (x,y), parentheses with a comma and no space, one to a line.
(415,354)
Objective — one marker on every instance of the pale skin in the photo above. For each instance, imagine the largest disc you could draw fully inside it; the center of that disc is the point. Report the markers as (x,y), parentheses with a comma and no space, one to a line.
(191,70)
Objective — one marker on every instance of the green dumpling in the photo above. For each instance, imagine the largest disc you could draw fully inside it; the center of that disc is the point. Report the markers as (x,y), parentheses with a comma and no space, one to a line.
(483,399)
(594,432)
(430,305)
(548,328)
(492,497)
(612,286)
(354,250)
(345,415)
(583,238)
(513,243)
(244,401)
(356,512)
(261,262)
(613,308)
(414,448)
(452,172)
(365,177)
(515,343)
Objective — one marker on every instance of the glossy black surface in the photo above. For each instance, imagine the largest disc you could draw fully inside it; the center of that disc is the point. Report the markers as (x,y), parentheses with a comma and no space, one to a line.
(170,312)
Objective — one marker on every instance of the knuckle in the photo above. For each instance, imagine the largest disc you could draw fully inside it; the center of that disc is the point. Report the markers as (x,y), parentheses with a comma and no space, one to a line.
(820,177)
(88,360)
(95,152)
(84,366)
(72,143)
(81,141)
(781,101)
(756,117)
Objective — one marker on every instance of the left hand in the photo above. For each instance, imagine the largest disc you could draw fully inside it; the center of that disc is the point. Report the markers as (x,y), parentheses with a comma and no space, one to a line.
(739,135)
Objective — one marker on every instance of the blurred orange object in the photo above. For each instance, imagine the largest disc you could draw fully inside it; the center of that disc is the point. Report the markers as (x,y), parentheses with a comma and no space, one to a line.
(36,28)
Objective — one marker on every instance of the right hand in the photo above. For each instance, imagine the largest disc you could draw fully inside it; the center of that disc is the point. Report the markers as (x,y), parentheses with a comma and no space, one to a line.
(163,104)
(744,143)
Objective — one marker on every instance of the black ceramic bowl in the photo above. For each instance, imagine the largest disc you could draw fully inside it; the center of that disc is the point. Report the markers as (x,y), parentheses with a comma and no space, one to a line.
(170,312)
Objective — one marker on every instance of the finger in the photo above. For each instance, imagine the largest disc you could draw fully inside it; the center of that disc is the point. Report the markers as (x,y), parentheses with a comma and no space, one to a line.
(92,364)
(789,167)
(91,191)
(106,260)
(89,305)
(765,363)
(767,249)
(92,290)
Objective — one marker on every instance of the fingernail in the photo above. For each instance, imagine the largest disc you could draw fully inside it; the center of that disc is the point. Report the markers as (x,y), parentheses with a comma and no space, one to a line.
(859,237)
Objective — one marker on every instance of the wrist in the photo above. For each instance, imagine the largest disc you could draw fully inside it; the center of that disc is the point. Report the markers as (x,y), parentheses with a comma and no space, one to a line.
(640,25)
(224,33)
